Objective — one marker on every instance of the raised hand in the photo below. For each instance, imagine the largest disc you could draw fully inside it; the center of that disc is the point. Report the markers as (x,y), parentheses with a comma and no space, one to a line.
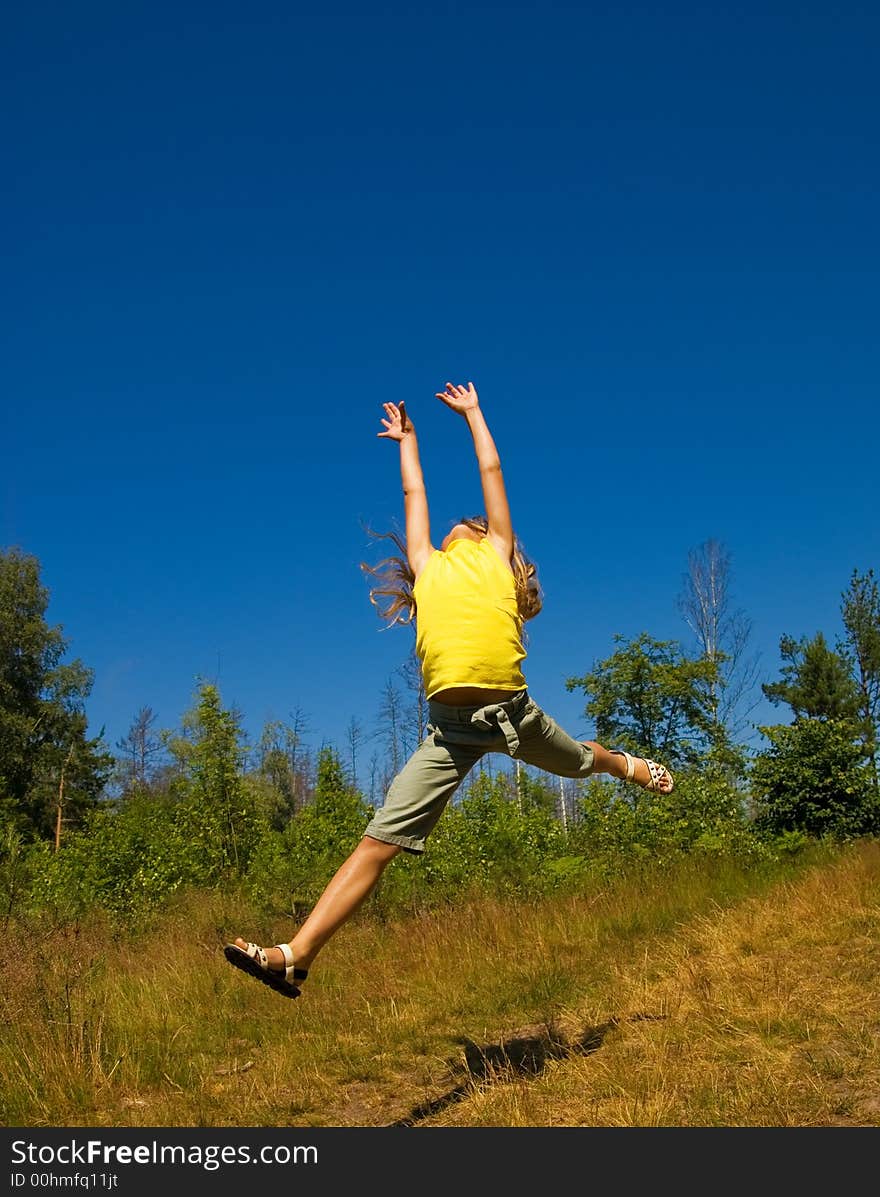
(460,399)
(397,423)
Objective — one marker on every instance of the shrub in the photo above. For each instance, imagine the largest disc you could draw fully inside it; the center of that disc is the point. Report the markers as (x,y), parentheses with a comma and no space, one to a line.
(300,860)
(133,858)
(814,778)
(704,813)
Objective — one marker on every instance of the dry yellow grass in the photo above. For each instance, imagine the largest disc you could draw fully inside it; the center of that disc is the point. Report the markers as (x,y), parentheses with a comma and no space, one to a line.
(708,998)
(766,1014)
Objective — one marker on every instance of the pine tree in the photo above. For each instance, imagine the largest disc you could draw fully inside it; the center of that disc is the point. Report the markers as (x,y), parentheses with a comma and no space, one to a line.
(816,681)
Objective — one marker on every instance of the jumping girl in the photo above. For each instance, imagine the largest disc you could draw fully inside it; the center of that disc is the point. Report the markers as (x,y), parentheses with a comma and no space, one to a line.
(470,599)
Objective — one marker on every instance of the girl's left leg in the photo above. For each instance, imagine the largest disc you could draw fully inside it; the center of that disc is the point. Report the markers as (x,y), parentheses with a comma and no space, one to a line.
(545,744)
(614,763)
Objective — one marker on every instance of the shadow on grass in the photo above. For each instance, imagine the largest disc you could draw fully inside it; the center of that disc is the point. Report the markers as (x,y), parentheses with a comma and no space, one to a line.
(522,1056)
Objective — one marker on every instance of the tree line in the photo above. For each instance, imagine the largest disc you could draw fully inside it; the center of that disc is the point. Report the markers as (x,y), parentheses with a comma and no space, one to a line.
(197,803)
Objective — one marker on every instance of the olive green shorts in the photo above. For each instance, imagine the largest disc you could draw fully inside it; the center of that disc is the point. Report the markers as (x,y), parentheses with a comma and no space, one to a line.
(457,738)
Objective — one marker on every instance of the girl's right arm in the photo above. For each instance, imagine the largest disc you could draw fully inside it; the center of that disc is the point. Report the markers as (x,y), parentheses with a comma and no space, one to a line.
(399,427)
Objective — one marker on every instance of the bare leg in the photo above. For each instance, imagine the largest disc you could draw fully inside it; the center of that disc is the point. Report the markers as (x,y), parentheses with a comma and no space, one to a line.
(615,764)
(347,889)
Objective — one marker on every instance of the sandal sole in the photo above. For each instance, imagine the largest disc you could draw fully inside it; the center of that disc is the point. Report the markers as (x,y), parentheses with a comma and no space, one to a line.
(240,959)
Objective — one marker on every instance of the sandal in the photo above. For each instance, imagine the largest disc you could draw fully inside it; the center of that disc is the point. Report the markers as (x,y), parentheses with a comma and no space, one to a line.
(657,773)
(254,961)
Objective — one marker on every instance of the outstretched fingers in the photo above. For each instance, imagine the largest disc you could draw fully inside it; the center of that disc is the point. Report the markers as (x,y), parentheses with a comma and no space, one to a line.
(459,398)
(394,421)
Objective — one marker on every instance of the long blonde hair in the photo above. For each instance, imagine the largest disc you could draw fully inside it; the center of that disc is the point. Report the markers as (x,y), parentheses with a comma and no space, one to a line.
(393,595)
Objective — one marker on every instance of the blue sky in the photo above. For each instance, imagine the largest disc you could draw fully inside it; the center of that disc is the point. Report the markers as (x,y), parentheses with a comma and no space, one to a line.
(647,233)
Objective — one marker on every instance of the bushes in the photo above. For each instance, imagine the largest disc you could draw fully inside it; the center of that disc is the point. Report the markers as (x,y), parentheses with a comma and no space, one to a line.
(704,813)
(205,828)
(212,828)
(131,859)
(814,778)
(491,841)
(300,860)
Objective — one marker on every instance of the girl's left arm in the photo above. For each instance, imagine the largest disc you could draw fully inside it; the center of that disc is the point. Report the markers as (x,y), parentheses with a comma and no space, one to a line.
(465,401)
(399,427)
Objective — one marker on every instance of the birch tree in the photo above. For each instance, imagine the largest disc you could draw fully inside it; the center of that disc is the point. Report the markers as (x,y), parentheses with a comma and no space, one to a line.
(722,633)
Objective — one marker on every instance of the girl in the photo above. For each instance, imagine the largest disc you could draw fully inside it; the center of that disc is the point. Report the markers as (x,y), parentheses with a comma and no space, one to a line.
(470,599)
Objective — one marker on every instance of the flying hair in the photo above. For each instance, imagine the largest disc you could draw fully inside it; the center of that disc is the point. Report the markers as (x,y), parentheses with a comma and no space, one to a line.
(393,595)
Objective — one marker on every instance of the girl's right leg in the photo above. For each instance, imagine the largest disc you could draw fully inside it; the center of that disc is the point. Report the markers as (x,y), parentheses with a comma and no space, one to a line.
(347,889)
(415,801)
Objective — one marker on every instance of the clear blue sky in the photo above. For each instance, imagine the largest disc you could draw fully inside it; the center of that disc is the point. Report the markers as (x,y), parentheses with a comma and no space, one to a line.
(648,233)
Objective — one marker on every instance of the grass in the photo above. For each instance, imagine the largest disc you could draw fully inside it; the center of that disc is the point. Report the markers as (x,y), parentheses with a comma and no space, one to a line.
(704,996)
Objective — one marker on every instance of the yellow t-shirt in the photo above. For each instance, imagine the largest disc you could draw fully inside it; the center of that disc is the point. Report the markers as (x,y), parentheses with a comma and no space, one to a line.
(468,626)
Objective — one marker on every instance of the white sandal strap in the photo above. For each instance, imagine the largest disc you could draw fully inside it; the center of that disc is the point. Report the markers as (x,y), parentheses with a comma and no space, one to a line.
(284,949)
(257,953)
(658,772)
(630,765)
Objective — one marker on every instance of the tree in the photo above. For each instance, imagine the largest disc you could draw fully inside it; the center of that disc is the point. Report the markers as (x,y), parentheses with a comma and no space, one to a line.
(284,762)
(277,751)
(141,749)
(860,610)
(813,779)
(71,778)
(374,781)
(225,816)
(816,681)
(722,634)
(390,731)
(650,698)
(300,757)
(354,734)
(327,830)
(415,716)
(42,715)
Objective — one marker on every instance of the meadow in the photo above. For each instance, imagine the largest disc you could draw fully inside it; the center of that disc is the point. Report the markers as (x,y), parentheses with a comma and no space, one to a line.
(705,993)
